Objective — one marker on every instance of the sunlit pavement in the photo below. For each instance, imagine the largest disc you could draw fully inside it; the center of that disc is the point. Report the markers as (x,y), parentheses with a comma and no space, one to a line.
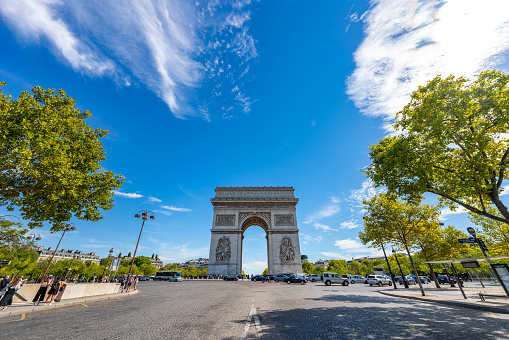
(251,310)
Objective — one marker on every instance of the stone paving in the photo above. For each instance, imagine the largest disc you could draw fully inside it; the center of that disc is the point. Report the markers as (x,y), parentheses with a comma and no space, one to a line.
(252,310)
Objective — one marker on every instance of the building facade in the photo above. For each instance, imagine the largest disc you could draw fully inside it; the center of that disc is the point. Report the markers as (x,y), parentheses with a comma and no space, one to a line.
(65,254)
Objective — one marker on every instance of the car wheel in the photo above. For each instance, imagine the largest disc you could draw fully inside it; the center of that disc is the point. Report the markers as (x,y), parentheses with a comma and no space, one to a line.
(276,280)
(303,282)
(345,283)
(352,282)
(327,283)
(370,285)
(313,280)
(288,282)
(390,283)
(380,284)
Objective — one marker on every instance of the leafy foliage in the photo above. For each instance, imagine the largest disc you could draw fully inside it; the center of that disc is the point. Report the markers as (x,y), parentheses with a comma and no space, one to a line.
(451,144)
(49,159)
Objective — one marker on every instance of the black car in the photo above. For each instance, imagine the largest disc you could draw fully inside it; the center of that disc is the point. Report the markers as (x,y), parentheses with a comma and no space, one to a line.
(231,278)
(258,278)
(443,279)
(296,279)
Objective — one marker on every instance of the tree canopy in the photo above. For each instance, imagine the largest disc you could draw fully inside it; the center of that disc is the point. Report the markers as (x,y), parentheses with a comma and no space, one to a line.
(452,143)
(49,159)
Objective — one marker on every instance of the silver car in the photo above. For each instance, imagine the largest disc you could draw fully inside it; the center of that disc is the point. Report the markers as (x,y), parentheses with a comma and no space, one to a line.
(379,280)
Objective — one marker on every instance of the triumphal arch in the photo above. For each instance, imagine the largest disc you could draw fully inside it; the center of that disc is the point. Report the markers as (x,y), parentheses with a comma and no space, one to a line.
(238,208)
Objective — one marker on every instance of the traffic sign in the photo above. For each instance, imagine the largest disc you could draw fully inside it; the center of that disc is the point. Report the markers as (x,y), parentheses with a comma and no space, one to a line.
(466,240)
(482,245)
(471,231)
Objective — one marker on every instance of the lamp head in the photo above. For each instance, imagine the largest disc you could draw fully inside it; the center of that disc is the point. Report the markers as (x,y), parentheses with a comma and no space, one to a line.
(137,216)
(111,251)
(152,217)
(38,238)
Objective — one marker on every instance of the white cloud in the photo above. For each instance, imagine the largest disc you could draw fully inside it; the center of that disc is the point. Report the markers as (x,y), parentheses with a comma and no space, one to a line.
(324,227)
(309,238)
(505,191)
(162,44)
(352,224)
(334,199)
(332,255)
(327,211)
(446,213)
(154,199)
(173,208)
(170,252)
(408,43)
(254,267)
(167,213)
(366,192)
(126,194)
(349,244)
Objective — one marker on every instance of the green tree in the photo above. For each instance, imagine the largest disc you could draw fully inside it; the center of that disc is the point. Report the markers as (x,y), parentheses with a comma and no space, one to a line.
(265,271)
(450,144)
(50,158)
(303,258)
(307,267)
(129,255)
(141,260)
(398,222)
(16,246)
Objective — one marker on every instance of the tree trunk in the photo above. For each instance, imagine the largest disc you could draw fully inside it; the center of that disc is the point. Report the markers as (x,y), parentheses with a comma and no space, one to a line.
(415,270)
(432,272)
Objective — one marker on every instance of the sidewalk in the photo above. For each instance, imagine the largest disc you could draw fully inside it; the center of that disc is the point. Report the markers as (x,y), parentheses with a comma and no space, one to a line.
(19,308)
(453,297)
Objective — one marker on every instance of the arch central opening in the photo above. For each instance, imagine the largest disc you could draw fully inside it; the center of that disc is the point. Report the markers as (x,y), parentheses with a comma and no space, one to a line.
(254,246)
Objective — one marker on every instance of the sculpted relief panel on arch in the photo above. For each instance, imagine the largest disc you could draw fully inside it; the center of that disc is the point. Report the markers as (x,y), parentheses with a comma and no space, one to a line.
(223,249)
(286,252)
(243,216)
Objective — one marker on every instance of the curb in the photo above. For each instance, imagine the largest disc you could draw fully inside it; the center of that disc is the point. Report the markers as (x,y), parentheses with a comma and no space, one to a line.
(453,303)
(33,309)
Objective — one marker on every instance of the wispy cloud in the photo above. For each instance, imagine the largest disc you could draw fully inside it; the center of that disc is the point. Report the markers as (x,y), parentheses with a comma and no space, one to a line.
(174,48)
(366,192)
(154,199)
(408,43)
(308,238)
(327,211)
(334,199)
(324,227)
(446,213)
(173,208)
(352,224)
(127,194)
(254,267)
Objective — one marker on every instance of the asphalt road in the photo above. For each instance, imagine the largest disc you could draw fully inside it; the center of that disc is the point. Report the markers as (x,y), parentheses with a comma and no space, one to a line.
(252,310)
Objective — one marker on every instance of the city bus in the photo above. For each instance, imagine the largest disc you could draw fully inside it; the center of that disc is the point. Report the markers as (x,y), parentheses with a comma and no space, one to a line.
(169,276)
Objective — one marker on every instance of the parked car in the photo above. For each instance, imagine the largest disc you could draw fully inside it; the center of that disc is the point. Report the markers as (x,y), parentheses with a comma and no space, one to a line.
(358,279)
(175,279)
(314,277)
(230,278)
(410,280)
(281,277)
(295,278)
(444,279)
(269,277)
(379,280)
(258,278)
(329,278)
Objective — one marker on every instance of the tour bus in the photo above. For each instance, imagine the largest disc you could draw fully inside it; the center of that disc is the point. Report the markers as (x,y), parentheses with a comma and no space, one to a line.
(169,276)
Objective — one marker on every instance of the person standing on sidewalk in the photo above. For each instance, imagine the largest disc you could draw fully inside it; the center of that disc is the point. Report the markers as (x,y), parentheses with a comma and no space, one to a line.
(135,282)
(53,291)
(12,288)
(41,293)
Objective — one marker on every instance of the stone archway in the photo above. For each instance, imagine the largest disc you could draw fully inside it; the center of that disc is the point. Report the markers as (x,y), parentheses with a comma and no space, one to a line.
(238,208)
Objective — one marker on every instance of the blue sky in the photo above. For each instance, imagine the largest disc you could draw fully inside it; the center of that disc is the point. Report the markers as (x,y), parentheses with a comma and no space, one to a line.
(241,93)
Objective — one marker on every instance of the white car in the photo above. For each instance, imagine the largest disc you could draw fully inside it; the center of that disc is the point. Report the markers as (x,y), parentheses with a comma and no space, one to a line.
(379,280)
(329,278)
(175,279)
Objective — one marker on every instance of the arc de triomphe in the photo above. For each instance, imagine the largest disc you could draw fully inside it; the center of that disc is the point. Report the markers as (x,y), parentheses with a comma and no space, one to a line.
(238,208)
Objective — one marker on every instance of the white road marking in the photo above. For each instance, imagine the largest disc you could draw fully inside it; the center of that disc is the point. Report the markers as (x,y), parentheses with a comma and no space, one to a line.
(252,315)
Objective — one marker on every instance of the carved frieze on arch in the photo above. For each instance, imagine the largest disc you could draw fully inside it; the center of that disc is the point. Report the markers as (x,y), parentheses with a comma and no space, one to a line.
(265,216)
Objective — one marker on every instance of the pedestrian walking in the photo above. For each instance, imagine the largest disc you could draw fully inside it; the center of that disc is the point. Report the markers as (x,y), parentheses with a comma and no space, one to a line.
(4,283)
(122,283)
(11,289)
(130,280)
(53,291)
(41,293)
(135,282)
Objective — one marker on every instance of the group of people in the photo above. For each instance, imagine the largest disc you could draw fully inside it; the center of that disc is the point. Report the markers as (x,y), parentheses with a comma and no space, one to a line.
(55,286)
(8,289)
(126,283)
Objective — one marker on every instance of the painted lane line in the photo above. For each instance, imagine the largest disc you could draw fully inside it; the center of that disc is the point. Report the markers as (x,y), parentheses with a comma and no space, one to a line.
(84,305)
(252,315)
(22,318)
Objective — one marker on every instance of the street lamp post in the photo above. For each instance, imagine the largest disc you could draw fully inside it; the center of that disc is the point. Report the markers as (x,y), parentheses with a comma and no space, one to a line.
(144,216)
(68,228)
(70,265)
(400,270)
(107,262)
